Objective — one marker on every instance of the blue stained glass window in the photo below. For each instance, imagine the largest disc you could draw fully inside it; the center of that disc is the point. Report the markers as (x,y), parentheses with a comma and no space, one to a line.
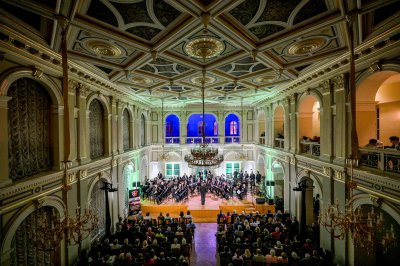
(232,125)
(195,122)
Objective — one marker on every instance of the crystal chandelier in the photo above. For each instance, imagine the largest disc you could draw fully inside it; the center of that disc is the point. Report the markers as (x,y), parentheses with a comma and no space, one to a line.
(204,155)
(364,230)
(49,229)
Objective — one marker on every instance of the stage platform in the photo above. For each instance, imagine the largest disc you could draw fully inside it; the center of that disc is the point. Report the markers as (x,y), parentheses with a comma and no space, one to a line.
(204,213)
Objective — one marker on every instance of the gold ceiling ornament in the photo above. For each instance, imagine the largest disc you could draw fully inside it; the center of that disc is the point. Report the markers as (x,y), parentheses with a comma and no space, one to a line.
(203,155)
(265,79)
(164,156)
(103,48)
(367,231)
(268,78)
(141,80)
(50,229)
(242,155)
(204,46)
(307,46)
(207,80)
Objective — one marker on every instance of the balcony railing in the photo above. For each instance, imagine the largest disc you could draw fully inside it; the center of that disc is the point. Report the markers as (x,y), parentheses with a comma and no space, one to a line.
(198,140)
(261,140)
(381,159)
(172,140)
(235,139)
(310,147)
(279,143)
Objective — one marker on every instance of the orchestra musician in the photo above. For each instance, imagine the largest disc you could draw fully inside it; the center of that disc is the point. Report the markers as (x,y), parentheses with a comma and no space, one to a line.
(180,188)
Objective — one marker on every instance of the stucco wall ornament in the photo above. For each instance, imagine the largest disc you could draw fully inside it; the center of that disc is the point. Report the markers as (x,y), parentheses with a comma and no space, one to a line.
(326,170)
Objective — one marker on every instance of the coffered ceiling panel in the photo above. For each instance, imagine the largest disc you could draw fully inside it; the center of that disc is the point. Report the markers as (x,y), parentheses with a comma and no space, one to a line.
(144,19)
(160,50)
(164,68)
(265,18)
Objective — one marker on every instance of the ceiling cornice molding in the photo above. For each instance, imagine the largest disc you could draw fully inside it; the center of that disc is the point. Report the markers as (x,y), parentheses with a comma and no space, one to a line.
(37,54)
(365,54)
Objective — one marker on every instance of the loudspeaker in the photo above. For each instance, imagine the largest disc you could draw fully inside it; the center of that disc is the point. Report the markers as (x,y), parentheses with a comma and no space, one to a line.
(260,200)
(271,202)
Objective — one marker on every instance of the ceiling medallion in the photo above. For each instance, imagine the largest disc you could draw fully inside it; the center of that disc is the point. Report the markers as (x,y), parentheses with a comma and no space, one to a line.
(207,80)
(307,46)
(141,80)
(204,47)
(265,79)
(103,48)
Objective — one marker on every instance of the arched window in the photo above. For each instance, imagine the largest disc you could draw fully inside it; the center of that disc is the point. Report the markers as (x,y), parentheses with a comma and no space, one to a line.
(28,129)
(142,130)
(172,129)
(25,252)
(126,124)
(98,205)
(96,129)
(232,131)
(233,128)
(195,122)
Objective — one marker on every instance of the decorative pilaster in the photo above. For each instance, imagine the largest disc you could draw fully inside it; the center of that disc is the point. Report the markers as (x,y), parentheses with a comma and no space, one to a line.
(72,90)
(221,127)
(286,124)
(340,122)
(119,119)
(294,138)
(82,130)
(183,122)
(326,121)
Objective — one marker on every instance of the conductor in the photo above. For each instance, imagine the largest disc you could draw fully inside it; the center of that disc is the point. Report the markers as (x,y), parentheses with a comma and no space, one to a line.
(203,190)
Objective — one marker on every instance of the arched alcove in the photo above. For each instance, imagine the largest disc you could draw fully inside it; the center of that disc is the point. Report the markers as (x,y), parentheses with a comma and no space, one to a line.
(194,128)
(378,107)
(279,129)
(309,125)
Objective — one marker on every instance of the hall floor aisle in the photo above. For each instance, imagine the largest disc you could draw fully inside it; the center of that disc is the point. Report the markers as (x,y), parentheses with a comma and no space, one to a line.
(204,245)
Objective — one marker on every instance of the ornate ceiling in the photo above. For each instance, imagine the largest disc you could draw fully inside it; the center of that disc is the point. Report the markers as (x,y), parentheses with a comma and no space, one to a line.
(144,46)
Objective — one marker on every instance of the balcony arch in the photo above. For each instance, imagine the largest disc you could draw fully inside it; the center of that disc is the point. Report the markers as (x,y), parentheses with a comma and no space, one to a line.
(309,125)
(172,129)
(279,126)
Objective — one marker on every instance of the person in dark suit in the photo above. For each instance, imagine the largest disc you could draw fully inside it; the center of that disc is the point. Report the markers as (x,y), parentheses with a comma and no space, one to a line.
(203,191)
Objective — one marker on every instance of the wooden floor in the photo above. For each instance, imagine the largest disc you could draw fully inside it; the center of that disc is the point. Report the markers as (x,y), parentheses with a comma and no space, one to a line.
(204,213)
